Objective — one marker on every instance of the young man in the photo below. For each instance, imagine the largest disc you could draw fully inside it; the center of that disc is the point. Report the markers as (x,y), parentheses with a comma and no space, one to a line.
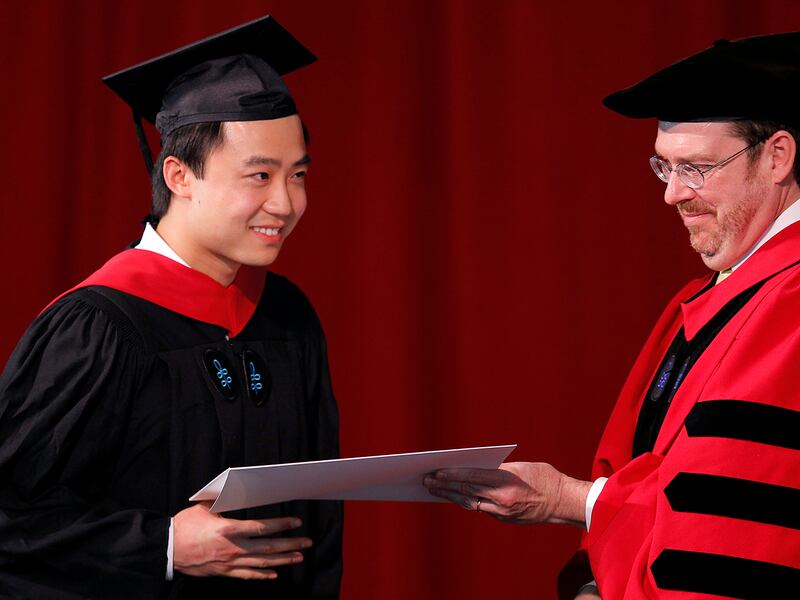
(178,359)
(697,478)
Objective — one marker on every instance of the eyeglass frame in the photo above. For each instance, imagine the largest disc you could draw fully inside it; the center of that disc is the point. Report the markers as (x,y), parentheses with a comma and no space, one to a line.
(680,168)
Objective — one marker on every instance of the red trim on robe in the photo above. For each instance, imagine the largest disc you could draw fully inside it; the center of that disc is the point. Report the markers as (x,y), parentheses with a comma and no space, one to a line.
(776,254)
(171,285)
(754,359)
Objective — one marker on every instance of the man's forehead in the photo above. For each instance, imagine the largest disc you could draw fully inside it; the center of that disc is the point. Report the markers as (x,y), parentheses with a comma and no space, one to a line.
(697,130)
(707,127)
(267,132)
(692,139)
(275,141)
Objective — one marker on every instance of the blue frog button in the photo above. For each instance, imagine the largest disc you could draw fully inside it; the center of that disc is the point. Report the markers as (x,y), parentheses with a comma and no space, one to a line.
(221,373)
(257,377)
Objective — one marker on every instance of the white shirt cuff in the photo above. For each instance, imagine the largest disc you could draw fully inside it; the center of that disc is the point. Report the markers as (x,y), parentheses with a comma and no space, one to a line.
(590,587)
(591,498)
(170,544)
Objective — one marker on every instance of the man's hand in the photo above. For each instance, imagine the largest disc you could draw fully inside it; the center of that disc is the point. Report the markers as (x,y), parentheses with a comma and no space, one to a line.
(522,493)
(206,544)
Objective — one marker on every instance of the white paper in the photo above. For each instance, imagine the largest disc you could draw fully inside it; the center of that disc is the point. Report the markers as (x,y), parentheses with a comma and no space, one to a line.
(395,477)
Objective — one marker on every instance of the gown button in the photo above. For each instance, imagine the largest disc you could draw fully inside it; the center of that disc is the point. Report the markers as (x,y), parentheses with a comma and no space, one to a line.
(221,373)
(257,377)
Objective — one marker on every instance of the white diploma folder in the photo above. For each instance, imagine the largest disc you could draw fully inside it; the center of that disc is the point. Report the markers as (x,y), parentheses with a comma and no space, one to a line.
(395,477)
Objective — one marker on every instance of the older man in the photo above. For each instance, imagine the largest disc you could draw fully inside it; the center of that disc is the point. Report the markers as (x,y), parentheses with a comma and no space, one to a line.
(696,478)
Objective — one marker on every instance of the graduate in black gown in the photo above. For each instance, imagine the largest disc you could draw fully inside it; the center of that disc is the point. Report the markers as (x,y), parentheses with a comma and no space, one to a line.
(177,359)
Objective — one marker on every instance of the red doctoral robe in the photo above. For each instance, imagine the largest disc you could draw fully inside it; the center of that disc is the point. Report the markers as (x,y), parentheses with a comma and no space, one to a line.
(714,510)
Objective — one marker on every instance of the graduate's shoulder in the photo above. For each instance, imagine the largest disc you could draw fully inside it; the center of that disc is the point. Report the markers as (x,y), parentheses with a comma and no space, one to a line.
(779,303)
(156,328)
(79,329)
(91,309)
(284,301)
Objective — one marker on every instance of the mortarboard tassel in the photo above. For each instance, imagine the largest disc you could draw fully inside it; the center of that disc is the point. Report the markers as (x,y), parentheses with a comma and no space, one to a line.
(143,145)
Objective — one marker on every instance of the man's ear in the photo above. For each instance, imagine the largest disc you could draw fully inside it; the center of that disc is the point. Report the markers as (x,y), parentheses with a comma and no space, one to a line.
(781,149)
(177,176)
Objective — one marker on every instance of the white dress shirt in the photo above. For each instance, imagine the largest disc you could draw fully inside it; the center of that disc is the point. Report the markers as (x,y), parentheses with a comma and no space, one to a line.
(155,243)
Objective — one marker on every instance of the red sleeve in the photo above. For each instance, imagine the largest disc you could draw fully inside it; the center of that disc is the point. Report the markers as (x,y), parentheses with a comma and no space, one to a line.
(712,512)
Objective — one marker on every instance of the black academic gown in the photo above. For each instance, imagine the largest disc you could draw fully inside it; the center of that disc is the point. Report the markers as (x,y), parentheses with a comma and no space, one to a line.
(112,414)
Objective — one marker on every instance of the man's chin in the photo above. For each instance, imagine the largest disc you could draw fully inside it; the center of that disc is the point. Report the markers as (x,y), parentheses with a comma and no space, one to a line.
(716,261)
(710,252)
(709,261)
(263,259)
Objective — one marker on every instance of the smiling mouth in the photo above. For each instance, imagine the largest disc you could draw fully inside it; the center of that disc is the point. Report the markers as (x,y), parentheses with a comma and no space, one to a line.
(692,218)
(270,231)
(693,212)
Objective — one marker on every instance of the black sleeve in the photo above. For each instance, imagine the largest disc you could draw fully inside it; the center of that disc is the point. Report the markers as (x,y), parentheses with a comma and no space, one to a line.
(64,398)
(576,573)
(324,426)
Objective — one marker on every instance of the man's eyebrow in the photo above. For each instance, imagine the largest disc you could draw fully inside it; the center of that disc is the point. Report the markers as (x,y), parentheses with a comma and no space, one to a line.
(695,159)
(260,160)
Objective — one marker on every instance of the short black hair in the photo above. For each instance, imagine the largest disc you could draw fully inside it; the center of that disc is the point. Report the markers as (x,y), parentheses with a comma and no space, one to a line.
(754,131)
(191,144)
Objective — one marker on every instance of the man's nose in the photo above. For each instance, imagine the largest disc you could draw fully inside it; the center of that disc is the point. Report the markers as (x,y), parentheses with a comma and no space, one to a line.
(279,202)
(677,191)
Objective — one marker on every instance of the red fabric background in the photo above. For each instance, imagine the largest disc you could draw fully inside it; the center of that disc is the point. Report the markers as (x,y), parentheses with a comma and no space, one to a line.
(485,243)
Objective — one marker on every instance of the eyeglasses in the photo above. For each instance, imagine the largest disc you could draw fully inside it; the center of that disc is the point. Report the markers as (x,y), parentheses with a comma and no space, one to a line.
(691,175)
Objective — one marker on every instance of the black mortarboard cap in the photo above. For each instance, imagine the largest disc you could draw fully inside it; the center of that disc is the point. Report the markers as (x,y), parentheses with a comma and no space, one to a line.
(751,78)
(232,76)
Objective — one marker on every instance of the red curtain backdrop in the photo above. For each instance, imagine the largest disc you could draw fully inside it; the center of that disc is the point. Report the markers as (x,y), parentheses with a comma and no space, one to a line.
(485,243)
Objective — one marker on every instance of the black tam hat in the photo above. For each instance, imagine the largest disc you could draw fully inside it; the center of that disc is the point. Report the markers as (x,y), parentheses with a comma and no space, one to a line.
(232,76)
(751,78)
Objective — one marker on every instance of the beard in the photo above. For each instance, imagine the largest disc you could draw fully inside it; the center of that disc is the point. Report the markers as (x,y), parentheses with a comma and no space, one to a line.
(729,221)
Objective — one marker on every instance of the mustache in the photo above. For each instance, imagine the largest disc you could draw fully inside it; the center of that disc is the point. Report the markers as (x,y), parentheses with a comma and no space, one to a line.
(693,207)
